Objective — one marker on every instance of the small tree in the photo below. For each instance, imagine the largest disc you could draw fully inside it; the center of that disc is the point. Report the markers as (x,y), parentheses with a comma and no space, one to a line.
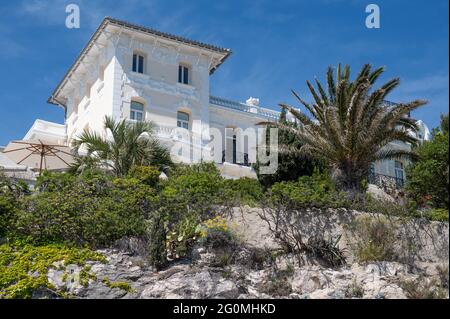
(428,178)
(291,166)
(130,144)
(351,125)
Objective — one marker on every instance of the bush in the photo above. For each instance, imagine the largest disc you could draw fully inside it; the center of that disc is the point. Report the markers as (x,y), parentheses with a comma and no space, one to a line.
(11,193)
(375,238)
(291,166)
(192,190)
(8,213)
(437,214)
(326,250)
(92,209)
(23,268)
(422,288)
(428,179)
(309,191)
(215,233)
(148,175)
(244,191)
(354,290)
(157,253)
(181,237)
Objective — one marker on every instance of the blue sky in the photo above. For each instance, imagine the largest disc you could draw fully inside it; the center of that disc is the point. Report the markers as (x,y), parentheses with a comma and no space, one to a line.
(277,45)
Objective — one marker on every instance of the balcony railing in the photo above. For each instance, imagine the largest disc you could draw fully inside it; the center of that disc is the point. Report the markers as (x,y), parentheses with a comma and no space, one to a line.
(238,158)
(386,182)
(270,114)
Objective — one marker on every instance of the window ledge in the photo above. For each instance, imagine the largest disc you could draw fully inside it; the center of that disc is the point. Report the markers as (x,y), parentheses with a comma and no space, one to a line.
(142,75)
(189,86)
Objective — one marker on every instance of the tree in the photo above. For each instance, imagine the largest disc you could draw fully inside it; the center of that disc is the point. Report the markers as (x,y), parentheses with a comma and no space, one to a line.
(428,178)
(351,124)
(130,144)
(291,166)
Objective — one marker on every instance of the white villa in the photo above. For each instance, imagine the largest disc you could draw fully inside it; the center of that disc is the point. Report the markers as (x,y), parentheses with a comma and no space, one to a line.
(132,72)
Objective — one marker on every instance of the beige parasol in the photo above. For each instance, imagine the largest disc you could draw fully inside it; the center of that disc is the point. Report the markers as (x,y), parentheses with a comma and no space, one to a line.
(38,155)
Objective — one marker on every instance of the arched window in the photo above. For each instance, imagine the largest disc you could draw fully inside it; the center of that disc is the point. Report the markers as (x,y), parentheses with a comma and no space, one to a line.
(183,120)
(138,62)
(137,111)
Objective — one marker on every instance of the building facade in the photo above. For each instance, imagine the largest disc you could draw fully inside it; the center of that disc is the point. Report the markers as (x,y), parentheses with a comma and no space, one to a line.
(140,74)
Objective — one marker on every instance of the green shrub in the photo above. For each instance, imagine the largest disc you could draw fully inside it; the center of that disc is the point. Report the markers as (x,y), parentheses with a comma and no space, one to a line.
(11,193)
(309,191)
(326,250)
(244,191)
(148,175)
(428,178)
(8,213)
(157,253)
(354,290)
(53,181)
(215,233)
(181,238)
(185,169)
(437,214)
(192,190)
(423,288)
(24,268)
(93,209)
(291,166)
(375,238)
(118,284)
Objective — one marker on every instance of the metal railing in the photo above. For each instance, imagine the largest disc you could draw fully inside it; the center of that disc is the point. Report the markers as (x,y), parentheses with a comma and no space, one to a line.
(238,158)
(386,182)
(270,114)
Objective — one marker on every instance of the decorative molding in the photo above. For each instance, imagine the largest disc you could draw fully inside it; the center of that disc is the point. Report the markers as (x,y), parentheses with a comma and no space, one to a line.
(144,83)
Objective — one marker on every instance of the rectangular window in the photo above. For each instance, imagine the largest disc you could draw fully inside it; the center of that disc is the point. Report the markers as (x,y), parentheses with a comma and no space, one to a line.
(138,63)
(183,120)
(399,173)
(183,74)
(137,111)
(141,64)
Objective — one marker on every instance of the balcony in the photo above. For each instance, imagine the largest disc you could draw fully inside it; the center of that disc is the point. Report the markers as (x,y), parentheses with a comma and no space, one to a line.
(257,110)
(386,182)
(238,158)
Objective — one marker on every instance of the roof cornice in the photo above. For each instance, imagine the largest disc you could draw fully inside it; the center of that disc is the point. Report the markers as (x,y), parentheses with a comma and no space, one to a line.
(123,24)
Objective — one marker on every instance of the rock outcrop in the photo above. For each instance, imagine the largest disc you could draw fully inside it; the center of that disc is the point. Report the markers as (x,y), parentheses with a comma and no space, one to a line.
(254,274)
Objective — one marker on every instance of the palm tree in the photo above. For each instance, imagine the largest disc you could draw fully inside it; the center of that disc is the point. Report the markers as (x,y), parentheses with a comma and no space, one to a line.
(130,144)
(351,124)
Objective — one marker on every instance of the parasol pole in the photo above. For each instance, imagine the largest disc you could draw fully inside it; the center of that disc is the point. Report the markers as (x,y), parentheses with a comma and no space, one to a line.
(42,157)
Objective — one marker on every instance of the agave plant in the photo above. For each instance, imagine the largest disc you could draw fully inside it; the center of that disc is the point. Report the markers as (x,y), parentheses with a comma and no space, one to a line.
(129,144)
(351,124)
